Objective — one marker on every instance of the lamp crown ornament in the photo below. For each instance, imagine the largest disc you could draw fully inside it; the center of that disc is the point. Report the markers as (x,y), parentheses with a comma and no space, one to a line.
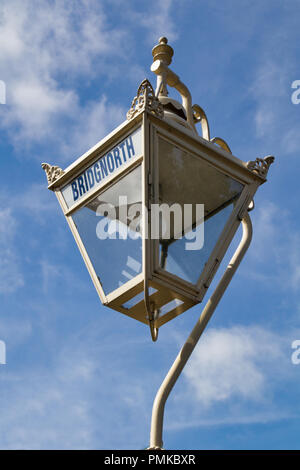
(145,99)
(52,172)
(160,104)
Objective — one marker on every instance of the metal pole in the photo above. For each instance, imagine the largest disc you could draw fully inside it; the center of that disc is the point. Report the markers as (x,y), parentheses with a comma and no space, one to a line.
(185,352)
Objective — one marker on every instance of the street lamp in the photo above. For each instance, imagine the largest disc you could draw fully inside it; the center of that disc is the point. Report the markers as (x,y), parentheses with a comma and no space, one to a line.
(153,208)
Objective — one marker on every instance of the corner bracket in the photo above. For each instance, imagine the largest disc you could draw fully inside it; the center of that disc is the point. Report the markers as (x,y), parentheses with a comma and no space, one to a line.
(52,172)
(261,165)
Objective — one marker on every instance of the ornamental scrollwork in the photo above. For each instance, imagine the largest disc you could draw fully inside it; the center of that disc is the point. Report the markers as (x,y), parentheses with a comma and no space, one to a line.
(261,165)
(145,99)
(52,172)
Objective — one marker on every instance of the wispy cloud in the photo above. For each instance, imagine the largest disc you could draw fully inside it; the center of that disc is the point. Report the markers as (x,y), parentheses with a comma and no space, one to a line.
(271,90)
(228,364)
(95,120)
(231,378)
(276,119)
(157,20)
(43,50)
(275,249)
(51,52)
(10,275)
(94,395)
(85,399)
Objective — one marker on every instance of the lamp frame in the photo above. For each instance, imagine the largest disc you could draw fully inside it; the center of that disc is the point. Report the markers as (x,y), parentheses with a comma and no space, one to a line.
(168,287)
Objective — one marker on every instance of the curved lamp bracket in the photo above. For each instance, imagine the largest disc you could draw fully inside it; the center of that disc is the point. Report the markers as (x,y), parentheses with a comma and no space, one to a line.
(187,349)
(200,116)
(221,142)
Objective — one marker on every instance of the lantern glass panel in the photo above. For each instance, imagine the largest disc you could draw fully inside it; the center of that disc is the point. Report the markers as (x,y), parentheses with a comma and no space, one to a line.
(185,181)
(109,227)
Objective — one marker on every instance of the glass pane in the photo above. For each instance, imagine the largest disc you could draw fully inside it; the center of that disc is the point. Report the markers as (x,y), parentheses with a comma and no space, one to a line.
(138,298)
(186,181)
(170,306)
(188,264)
(109,231)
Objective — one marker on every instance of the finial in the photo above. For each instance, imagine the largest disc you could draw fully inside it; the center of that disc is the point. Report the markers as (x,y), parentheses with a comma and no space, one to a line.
(162,51)
(163,40)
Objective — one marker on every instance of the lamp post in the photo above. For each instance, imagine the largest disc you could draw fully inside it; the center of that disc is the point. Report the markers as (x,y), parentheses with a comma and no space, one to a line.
(153,208)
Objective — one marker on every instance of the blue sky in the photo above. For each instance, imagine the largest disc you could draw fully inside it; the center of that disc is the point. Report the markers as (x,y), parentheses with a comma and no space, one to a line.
(78,375)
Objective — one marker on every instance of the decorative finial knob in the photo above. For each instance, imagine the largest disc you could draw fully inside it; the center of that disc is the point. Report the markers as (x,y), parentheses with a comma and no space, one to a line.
(163,40)
(163,51)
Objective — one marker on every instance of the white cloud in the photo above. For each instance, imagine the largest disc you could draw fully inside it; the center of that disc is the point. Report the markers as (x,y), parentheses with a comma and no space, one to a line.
(229,364)
(44,48)
(275,247)
(232,378)
(269,90)
(276,119)
(51,51)
(33,105)
(94,121)
(94,395)
(7,225)
(10,276)
(83,399)
(158,20)
(35,200)
(55,37)
(14,331)
(50,272)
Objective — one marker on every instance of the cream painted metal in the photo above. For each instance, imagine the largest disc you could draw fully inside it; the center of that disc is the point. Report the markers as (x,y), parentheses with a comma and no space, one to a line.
(156,158)
(184,354)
